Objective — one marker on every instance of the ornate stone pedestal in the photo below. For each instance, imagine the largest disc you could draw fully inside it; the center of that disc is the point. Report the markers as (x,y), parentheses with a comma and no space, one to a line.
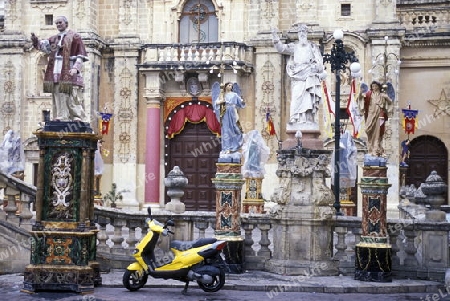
(228,183)
(253,202)
(373,260)
(63,249)
(303,220)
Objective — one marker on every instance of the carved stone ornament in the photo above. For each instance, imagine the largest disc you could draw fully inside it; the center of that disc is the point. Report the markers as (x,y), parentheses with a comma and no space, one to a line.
(193,86)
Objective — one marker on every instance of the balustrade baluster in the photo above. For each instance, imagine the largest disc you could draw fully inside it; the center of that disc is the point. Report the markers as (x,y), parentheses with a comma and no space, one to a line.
(11,208)
(182,54)
(161,55)
(410,248)
(218,54)
(201,226)
(357,232)
(131,239)
(265,241)
(340,245)
(248,239)
(102,237)
(189,57)
(204,54)
(25,213)
(236,53)
(393,235)
(197,55)
(168,54)
(174,50)
(118,239)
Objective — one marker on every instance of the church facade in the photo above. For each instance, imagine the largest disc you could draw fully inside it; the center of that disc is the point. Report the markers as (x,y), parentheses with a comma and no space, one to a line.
(152,65)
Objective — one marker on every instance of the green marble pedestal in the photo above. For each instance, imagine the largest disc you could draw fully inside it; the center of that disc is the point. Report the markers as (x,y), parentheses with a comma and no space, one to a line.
(63,246)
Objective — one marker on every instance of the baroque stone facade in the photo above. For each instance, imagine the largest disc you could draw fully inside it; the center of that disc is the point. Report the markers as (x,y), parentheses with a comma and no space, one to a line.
(136,62)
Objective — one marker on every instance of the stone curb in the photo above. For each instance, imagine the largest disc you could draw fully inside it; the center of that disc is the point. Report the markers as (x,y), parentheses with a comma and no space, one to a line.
(273,283)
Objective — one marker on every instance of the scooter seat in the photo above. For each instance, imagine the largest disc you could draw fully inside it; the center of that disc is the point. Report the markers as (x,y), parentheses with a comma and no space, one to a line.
(183,245)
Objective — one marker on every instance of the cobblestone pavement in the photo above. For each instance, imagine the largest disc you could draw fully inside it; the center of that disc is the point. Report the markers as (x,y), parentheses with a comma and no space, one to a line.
(249,286)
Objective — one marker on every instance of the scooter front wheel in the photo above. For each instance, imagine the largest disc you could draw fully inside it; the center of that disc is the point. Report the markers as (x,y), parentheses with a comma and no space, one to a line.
(216,285)
(133,281)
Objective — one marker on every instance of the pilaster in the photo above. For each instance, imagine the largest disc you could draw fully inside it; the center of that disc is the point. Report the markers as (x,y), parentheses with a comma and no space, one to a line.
(125,122)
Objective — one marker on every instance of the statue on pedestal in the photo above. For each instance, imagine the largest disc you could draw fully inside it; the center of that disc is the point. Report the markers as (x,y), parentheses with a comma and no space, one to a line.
(305,68)
(12,158)
(98,167)
(374,104)
(256,153)
(226,101)
(63,76)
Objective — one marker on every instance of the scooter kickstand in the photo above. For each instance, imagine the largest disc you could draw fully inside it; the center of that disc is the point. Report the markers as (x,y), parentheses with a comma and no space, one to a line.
(186,285)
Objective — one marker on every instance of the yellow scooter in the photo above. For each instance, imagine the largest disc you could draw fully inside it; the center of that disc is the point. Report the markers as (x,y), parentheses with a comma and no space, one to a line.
(199,260)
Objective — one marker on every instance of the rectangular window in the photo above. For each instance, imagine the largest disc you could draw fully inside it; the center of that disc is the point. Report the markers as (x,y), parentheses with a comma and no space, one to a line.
(345,10)
(48,19)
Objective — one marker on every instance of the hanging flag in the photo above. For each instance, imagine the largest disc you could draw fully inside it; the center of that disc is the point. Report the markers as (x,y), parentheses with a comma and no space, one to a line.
(329,100)
(353,111)
(409,120)
(270,126)
(104,127)
(326,115)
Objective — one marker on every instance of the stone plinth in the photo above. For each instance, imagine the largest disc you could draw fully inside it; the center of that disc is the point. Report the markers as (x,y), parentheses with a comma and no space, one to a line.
(310,138)
(63,249)
(253,202)
(228,183)
(373,260)
(303,218)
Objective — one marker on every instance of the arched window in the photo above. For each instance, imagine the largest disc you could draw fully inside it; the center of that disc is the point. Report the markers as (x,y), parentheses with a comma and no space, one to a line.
(198,22)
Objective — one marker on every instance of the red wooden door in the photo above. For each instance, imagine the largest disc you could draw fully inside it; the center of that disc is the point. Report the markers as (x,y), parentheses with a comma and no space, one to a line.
(195,150)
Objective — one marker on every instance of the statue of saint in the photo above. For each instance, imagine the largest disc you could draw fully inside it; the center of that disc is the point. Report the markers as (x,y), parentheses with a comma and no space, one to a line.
(63,78)
(305,68)
(226,102)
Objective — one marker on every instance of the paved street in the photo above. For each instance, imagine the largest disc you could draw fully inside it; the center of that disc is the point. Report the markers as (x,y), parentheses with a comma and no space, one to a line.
(195,294)
(249,286)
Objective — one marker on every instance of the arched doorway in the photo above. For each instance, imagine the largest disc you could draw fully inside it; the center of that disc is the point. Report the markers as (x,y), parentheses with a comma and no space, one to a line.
(193,145)
(427,153)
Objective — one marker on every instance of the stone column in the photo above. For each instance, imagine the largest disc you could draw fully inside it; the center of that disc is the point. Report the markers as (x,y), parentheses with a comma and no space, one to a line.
(302,221)
(373,252)
(153,139)
(228,183)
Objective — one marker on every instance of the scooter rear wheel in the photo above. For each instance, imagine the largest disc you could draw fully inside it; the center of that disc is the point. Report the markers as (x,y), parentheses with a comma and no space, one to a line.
(216,285)
(132,281)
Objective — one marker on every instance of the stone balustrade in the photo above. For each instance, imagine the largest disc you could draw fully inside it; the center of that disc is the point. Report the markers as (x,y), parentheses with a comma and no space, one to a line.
(413,19)
(207,55)
(420,248)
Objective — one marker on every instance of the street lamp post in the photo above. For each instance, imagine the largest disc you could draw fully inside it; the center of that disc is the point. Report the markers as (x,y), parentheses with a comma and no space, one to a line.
(338,59)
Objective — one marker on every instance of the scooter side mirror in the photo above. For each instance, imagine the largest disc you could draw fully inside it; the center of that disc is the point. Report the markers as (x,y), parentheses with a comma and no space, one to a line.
(170,223)
(149,210)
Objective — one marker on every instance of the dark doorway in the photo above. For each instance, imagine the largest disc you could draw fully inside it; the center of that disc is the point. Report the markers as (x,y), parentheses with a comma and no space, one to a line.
(195,150)
(427,153)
